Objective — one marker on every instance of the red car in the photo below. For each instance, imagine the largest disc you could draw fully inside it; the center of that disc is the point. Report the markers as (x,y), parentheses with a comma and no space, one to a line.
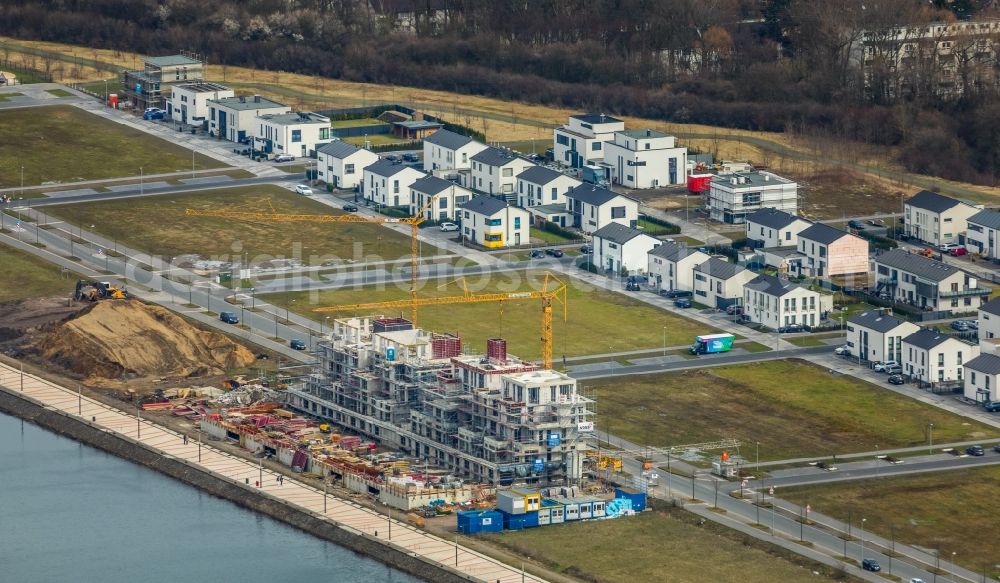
(958,252)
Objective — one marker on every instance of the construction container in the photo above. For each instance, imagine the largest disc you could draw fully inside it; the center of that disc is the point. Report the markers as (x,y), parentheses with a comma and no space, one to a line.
(476,521)
(391,325)
(586,508)
(496,349)
(445,346)
(598,510)
(516,501)
(520,521)
(698,183)
(638,498)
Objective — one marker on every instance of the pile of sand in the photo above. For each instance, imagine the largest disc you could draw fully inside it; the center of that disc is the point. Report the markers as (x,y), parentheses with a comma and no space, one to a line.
(119,339)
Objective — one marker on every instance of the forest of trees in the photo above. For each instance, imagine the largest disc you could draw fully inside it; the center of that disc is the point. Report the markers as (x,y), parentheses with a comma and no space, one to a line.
(757,64)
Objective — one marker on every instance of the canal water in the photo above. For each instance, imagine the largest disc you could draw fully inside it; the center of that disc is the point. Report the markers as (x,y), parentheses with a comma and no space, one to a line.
(72,513)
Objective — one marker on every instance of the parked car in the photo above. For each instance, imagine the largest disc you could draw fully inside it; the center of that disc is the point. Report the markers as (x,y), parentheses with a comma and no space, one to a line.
(411,158)
(991,406)
(284,158)
(393,158)
(449,227)
(303,189)
(537,254)
(682,303)
(296,344)
(896,379)
(791,328)
(958,252)
(996,448)
(586,249)
(855,224)
(959,326)
(894,369)
(844,350)
(153,113)
(871,565)
(975,450)
(351,208)
(631,286)
(973,324)
(734,310)
(675,293)
(916,580)
(881,366)
(229,317)
(554,252)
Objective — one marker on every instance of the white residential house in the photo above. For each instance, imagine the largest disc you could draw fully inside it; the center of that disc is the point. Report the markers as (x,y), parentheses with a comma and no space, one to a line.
(926,283)
(188,102)
(448,198)
(983,234)
(235,118)
(933,357)
(831,252)
(581,140)
(645,159)
(388,183)
(732,197)
(446,150)
(719,284)
(775,303)
(989,327)
(298,134)
(539,185)
(936,219)
(495,170)
(671,266)
(491,222)
(342,165)
(773,228)
(982,374)
(592,207)
(877,336)
(620,249)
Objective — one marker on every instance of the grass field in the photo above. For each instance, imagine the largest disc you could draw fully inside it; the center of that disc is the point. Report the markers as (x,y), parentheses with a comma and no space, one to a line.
(8,96)
(355,123)
(374,140)
(59,92)
(939,511)
(548,237)
(66,144)
(654,546)
(819,414)
(24,276)
(158,225)
(599,321)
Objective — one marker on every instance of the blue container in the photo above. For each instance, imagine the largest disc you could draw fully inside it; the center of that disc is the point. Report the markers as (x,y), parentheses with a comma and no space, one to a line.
(476,521)
(520,521)
(638,498)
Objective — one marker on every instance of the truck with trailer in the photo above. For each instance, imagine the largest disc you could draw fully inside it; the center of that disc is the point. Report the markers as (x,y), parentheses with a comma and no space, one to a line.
(712,343)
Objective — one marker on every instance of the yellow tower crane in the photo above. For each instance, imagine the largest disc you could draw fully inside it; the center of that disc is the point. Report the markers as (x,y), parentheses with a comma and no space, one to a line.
(552,289)
(268,213)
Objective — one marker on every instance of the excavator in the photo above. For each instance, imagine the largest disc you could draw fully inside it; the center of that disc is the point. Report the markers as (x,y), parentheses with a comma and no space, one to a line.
(98,290)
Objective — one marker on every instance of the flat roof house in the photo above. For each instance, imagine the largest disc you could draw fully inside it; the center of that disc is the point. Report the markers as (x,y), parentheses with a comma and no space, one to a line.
(877,336)
(936,358)
(341,164)
(388,183)
(772,228)
(926,283)
(581,140)
(732,197)
(775,303)
(298,134)
(620,249)
(983,233)
(593,207)
(671,266)
(188,102)
(645,159)
(491,222)
(831,252)
(235,118)
(495,170)
(935,219)
(145,88)
(447,150)
(719,284)
(448,197)
(539,185)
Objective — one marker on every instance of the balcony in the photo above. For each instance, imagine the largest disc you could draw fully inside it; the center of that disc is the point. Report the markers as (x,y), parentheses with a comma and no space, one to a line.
(962,293)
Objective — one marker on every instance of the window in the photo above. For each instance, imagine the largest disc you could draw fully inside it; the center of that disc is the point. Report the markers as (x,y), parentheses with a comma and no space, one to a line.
(442,203)
(508,172)
(596,147)
(562,140)
(612,246)
(348,168)
(296,136)
(494,237)
(517,222)
(751,198)
(184,99)
(555,193)
(958,361)
(940,359)
(395,186)
(494,222)
(617,212)
(465,158)
(324,133)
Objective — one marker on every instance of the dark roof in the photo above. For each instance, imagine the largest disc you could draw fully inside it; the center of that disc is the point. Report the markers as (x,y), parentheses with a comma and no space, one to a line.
(771,285)
(991,307)
(927,338)
(447,139)
(987,218)
(592,194)
(918,265)
(492,156)
(772,218)
(821,233)
(338,149)
(431,185)
(718,268)
(932,201)
(539,175)
(595,118)
(485,205)
(617,233)
(386,168)
(876,321)
(985,363)
(672,251)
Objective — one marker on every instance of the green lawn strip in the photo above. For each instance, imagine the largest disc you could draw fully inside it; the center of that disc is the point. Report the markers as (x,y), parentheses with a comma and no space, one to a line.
(548,237)
(374,140)
(158,225)
(793,408)
(936,511)
(24,276)
(355,123)
(64,144)
(599,321)
(59,93)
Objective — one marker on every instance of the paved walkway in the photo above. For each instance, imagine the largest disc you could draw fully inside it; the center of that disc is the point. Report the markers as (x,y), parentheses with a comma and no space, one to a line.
(357,519)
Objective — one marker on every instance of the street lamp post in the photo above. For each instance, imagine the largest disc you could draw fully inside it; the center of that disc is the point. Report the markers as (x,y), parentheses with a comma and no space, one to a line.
(612,349)
(22,181)
(253,299)
(664,341)
(953,567)
(140,180)
(862,536)
(930,438)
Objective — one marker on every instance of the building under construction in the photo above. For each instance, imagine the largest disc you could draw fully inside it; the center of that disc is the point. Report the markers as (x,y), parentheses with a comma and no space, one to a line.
(492,418)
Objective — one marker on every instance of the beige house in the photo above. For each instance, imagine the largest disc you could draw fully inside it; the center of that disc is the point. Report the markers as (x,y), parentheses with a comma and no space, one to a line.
(936,219)
(831,252)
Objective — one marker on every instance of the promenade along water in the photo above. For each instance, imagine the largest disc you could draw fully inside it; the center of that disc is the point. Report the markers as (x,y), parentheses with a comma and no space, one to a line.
(69,512)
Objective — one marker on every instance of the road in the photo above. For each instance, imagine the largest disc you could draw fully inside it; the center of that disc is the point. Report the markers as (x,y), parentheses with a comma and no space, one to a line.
(613,369)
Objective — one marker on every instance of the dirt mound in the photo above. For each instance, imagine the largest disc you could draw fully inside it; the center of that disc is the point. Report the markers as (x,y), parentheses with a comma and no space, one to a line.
(119,339)
(22,316)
